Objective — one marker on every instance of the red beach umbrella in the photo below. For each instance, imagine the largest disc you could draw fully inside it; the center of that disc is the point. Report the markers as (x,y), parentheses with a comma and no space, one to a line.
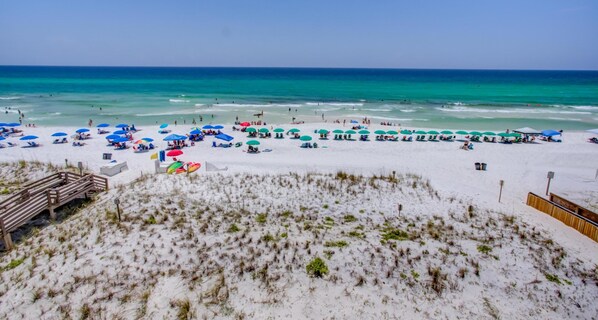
(245,124)
(174,153)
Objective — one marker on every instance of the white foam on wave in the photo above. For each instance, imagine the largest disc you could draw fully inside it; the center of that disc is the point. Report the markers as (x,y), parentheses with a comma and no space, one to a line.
(336,104)
(377,109)
(178,100)
(199,104)
(564,119)
(361,116)
(407,110)
(524,111)
(167,113)
(10,98)
(253,105)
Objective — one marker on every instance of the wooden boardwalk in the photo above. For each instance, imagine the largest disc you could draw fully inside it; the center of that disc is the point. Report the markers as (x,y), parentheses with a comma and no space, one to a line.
(48,193)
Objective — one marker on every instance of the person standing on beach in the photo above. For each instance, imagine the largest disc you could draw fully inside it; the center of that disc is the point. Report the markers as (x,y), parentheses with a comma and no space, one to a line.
(175,122)
(90,123)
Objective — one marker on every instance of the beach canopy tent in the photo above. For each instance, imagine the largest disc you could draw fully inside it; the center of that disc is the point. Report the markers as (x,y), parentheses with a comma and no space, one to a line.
(195,131)
(245,124)
(433,132)
(379,132)
(59,134)
(102,125)
(119,132)
(2,124)
(25,138)
(489,133)
(174,153)
(406,132)
(253,143)
(446,132)
(364,132)
(122,125)
(462,133)
(278,130)
(112,137)
(264,130)
(174,137)
(207,127)
(164,125)
(528,130)
(218,127)
(550,133)
(2,138)
(594,131)
(251,130)
(224,137)
(82,130)
(120,140)
(294,130)
(305,138)
(350,132)
(392,132)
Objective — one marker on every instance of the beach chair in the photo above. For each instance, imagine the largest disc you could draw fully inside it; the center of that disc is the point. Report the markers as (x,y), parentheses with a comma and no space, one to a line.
(238,144)
(10,144)
(304,145)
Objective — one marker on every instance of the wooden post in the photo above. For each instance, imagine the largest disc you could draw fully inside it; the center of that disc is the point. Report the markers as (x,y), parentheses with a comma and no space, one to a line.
(51,205)
(117,203)
(7,237)
(502,182)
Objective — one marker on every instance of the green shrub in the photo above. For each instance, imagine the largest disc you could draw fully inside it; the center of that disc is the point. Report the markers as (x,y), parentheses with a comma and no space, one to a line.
(484,249)
(394,234)
(268,237)
(261,218)
(13,264)
(233,228)
(317,268)
(349,218)
(338,244)
(553,278)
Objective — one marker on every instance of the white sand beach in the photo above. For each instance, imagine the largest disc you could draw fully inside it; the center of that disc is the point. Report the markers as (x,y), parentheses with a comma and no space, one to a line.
(175,252)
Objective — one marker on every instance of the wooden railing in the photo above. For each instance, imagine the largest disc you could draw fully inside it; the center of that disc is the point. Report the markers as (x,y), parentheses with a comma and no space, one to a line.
(45,194)
(582,224)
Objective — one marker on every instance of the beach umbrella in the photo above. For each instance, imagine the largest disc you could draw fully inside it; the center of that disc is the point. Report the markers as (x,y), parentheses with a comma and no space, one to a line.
(515,135)
(363,132)
(196,131)
(264,130)
(594,131)
(174,153)
(147,139)
(172,137)
(323,131)
(82,130)
(550,133)
(2,138)
(305,138)
(489,133)
(475,133)
(278,130)
(119,132)
(446,132)
(207,127)
(350,132)
(218,127)
(28,138)
(245,124)
(122,125)
(103,125)
(420,132)
(253,143)
(461,132)
(112,137)
(294,130)
(59,134)
(406,132)
(338,131)
(504,134)
(120,140)
(164,125)
(141,141)
(2,124)
(379,132)
(392,132)
(251,130)
(12,124)
(433,132)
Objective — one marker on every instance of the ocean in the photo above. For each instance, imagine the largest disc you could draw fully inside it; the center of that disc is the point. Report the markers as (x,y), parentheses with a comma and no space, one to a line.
(452,99)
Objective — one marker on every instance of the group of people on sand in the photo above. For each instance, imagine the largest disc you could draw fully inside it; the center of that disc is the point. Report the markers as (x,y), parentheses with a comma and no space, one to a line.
(177,144)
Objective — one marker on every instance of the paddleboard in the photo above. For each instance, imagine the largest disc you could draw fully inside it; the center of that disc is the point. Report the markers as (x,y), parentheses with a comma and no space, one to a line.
(194,166)
(173,167)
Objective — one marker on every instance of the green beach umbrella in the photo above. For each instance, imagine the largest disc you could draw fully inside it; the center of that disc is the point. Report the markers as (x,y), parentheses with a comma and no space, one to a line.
(433,132)
(392,132)
(323,131)
(420,132)
(278,130)
(294,130)
(305,138)
(253,143)
(489,133)
(504,134)
(363,132)
(350,132)
(406,132)
(251,130)
(461,132)
(446,132)
(515,135)
(264,130)
(338,131)
(379,132)
(475,133)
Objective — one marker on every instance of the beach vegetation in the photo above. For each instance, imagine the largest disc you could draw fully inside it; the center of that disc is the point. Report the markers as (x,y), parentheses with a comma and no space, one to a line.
(348,218)
(233,228)
(554,278)
(85,311)
(317,268)
(261,218)
(13,264)
(391,233)
(338,244)
(150,220)
(484,249)
(184,311)
(268,237)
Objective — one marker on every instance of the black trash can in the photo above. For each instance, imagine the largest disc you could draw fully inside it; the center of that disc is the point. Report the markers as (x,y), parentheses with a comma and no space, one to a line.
(484,166)
(107,156)
(477,166)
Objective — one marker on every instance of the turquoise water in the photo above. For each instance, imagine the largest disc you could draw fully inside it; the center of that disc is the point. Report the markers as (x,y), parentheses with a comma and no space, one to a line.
(468,99)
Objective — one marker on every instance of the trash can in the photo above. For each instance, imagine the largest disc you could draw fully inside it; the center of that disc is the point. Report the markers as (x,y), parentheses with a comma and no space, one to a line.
(477,166)
(484,166)
(107,156)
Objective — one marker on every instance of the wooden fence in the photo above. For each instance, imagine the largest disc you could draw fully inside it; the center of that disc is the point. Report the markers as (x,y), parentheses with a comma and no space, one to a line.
(582,224)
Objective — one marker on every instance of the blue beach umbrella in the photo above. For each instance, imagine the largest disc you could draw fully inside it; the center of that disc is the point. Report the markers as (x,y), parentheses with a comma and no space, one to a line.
(218,127)
(120,139)
(103,125)
(174,137)
(29,138)
(122,125)
(82,130)
(196,131)
(59,134)
(112,137)
(13,124)
(207,126)
(119,132)
(550,133)
(2,138)
(2,124)
(147,139)
(164,125)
